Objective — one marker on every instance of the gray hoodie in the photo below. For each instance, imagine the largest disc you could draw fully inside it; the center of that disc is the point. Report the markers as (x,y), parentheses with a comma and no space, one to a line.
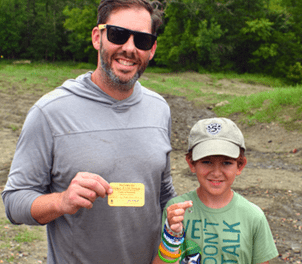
(79,128)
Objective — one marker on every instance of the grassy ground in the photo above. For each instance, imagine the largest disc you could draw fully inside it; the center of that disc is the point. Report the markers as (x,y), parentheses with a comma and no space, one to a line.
(38,77)
(282,103)
(17,240)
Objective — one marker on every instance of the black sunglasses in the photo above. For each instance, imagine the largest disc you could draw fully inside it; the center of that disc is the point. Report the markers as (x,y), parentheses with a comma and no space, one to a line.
(120,35)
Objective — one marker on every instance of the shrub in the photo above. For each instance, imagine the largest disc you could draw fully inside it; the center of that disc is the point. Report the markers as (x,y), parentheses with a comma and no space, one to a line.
(295,73)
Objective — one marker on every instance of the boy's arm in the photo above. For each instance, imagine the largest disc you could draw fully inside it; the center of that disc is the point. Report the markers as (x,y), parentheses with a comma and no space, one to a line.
(157,260)
(175,216)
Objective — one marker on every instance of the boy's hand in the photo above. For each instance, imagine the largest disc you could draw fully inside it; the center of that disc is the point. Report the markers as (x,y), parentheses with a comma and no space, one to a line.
(175,215)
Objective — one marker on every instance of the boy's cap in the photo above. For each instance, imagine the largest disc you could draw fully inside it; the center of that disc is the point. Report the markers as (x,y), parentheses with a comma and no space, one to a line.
(215,136)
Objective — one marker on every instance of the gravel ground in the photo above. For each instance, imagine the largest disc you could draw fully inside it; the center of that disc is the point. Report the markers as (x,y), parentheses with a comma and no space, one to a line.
(272,179)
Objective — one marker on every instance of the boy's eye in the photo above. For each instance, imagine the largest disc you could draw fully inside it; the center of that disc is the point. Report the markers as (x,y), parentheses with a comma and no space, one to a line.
(205,162)
(228,163)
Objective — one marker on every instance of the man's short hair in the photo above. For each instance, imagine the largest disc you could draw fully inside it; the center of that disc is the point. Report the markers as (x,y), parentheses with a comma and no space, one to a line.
(106,7)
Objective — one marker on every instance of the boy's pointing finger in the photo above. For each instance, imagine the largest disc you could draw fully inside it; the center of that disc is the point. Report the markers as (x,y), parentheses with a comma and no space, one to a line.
(175,207)
(185,205)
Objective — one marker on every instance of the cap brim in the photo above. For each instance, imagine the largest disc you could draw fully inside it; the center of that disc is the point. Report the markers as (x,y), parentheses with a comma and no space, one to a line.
(215,147)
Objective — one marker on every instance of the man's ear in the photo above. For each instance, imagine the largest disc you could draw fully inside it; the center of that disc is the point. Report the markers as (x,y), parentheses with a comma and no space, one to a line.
(191,165)
(241,167)
(96,38)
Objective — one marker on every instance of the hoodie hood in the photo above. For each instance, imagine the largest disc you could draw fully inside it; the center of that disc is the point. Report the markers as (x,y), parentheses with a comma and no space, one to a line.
(83,86)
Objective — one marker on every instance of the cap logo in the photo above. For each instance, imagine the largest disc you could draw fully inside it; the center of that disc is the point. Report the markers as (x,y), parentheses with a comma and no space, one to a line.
(214,129)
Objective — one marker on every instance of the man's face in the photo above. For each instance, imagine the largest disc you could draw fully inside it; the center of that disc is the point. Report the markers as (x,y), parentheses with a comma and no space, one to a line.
(124,64)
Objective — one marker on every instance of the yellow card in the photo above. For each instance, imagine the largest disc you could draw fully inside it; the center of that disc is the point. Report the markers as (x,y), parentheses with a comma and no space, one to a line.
(127,194)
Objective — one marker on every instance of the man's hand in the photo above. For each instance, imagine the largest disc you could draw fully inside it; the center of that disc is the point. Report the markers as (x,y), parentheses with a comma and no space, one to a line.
(175,215)
(83,190)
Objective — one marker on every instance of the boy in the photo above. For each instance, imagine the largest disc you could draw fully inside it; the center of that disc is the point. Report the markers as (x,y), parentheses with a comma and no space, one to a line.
(220,226)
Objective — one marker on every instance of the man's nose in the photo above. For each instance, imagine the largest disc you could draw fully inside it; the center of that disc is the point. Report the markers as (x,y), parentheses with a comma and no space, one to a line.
(129,46)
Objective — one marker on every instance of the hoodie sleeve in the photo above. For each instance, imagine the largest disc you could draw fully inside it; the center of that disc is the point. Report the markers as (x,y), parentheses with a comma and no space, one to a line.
(167,191)
(30,171)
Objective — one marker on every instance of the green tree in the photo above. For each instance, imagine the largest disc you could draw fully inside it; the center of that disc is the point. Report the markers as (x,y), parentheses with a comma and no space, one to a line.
(258,35)
(12,27)
(206,33)
(189,37)
(45,36)
(33,29)
(274,44)
(232,16)
(80,20)
(291,56)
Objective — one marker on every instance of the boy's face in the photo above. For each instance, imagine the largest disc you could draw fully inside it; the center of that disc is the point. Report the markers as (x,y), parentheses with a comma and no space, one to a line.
(216,175)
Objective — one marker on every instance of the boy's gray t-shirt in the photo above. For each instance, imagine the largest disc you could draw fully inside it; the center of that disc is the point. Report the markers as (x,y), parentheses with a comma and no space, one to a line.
(79,128)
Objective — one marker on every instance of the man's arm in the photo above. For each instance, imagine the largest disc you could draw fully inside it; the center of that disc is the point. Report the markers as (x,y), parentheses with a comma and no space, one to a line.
(83,190)
(46,208)
(167,191)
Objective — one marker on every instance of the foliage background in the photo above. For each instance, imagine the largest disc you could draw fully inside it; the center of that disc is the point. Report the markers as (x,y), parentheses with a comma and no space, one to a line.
(243,36)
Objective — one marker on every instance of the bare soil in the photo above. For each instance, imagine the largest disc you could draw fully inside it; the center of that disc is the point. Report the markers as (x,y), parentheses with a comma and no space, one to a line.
(272,178)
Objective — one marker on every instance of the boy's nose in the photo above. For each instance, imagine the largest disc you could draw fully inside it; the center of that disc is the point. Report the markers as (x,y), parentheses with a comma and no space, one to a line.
(216,170)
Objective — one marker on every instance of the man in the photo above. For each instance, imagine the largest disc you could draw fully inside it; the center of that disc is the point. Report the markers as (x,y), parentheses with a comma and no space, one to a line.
(101,128)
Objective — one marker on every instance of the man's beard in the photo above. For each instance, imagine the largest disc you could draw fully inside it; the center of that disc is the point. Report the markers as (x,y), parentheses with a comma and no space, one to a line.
(114,80)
